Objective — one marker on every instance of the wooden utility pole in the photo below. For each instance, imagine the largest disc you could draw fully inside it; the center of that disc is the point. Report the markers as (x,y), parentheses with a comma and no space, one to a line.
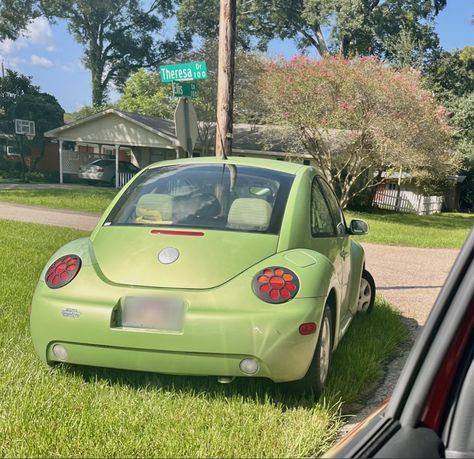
(225,78)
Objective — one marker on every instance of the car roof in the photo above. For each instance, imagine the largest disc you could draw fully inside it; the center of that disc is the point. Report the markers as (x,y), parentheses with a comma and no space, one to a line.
(281,166)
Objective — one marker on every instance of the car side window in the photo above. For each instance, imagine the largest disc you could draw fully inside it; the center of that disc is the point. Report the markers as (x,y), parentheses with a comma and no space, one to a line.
(322,224)
(335,207)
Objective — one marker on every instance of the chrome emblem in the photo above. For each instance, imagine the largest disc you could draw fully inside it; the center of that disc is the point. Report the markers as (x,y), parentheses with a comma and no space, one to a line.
(71,312)
(168,255)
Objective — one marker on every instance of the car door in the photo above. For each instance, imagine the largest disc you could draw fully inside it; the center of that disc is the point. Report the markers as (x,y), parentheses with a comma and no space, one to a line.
(324,234)
(430,413)
(342,235)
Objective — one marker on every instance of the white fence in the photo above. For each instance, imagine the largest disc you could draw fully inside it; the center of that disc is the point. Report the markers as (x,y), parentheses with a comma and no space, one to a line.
(124,177)
(407,201)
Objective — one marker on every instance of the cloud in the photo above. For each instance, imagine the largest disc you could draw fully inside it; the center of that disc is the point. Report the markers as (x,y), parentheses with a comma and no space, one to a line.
(12,62)
(68,68)
(9,46)
(39,32)
(41,61)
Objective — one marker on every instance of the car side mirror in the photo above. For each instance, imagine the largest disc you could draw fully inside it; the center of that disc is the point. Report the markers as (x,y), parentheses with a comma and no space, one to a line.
(359,227)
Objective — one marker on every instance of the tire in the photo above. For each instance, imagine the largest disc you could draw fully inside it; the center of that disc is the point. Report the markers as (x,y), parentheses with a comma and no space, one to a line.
(366,293)
(112,182)
(315,378)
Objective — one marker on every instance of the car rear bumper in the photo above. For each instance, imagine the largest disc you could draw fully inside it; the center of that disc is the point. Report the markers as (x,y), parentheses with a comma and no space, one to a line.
(214,339)
(91,175)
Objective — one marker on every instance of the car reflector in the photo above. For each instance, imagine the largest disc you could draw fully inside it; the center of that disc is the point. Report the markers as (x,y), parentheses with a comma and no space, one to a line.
(307,328)
(275,285)
(62,271)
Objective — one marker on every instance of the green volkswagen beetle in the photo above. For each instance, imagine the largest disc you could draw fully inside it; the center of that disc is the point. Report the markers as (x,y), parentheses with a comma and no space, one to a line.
(237,267)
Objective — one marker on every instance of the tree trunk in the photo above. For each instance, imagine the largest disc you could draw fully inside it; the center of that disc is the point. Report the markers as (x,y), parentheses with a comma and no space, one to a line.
(97,88)
(40,157)
(96,66)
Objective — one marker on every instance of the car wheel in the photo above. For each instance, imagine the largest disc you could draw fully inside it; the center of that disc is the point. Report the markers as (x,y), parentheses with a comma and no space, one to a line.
(112,181)
(315,378)
(366,293)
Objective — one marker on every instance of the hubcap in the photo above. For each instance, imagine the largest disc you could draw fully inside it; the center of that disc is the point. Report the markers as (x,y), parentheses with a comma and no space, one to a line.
(365,295)
(325,351)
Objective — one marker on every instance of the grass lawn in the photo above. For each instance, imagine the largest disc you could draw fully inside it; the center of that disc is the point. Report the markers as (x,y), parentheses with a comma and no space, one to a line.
(447,230)
(91,412)
(91,199)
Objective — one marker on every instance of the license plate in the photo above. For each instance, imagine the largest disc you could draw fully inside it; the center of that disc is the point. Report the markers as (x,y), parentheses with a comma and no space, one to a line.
(154,313)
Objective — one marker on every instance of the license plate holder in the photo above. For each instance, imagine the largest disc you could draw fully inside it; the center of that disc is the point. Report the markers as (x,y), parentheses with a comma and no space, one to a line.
(153,313)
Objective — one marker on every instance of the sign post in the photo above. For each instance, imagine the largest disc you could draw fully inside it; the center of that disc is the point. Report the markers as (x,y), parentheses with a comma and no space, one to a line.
(185,119)
(186,126)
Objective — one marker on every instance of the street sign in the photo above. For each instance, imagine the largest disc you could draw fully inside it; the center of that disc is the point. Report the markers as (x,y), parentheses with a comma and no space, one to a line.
(186,125)
(184,89)
(183,72)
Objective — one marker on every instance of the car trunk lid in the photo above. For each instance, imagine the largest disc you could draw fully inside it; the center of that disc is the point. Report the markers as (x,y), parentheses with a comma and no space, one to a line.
(207,258)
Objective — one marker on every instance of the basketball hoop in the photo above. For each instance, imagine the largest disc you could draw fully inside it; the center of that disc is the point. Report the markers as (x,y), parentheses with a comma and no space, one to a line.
(26,127)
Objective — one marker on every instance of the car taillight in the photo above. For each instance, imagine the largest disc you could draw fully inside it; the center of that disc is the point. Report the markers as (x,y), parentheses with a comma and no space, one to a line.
(275,285)
(62,271)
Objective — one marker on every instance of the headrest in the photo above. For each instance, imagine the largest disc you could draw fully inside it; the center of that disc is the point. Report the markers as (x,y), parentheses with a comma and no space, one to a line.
(249,214)
(154,208)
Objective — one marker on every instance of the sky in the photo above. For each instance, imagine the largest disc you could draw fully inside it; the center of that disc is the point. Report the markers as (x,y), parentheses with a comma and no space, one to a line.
(49,54)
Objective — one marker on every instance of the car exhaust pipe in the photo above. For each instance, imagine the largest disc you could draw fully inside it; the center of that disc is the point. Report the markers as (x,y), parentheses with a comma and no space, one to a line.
(225,379)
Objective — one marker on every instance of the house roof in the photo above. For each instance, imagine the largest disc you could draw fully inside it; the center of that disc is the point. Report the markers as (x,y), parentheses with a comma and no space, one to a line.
(246,137)
(157,124)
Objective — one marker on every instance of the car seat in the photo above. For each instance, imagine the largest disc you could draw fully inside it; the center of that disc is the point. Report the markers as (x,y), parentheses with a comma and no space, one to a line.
(249,214)
(154,208)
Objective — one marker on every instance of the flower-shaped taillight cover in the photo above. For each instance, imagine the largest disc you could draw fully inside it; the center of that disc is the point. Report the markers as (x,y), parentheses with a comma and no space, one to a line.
(62,271)
(275,285)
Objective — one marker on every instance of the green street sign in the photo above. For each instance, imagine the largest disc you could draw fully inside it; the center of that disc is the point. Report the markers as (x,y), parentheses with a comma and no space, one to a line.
(183,72)
(184,89)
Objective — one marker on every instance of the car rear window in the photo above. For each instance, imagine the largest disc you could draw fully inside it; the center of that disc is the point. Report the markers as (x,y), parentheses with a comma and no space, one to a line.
(225,197)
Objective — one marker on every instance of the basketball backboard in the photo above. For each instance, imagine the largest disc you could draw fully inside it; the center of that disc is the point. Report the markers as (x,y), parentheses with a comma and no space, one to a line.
(25,127)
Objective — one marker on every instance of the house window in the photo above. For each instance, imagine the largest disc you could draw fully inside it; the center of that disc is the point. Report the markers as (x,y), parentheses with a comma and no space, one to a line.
(306,162)
(391,186)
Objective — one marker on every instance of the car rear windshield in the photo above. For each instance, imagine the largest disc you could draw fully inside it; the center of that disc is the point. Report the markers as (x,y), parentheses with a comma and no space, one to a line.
(224,197)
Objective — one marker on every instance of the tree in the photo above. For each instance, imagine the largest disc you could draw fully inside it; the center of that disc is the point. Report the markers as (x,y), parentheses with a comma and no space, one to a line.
(451,77)
(119,37)
(145,94)
(361,26)
(388,121)
(85,111)
(451,74)
(21,99)
(15,15)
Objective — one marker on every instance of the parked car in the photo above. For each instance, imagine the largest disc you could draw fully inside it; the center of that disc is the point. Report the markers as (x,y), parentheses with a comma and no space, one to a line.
(430,413)
(103,171)
(203,266)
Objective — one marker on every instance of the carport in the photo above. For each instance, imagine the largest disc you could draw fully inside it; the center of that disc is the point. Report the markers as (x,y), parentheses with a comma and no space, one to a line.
(112,132)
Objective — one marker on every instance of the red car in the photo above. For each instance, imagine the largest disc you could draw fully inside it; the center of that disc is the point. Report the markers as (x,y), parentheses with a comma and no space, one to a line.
(431,411)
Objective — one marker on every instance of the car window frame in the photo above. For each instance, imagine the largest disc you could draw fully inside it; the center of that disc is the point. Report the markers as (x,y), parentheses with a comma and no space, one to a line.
(286,182)
(320,235)
(341,213)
